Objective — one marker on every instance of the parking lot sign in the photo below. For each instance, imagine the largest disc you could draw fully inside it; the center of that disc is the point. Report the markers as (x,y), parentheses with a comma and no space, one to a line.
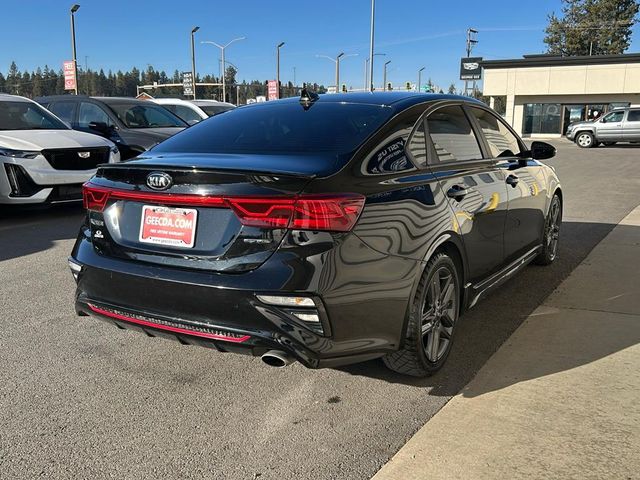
(69,75)
(187,84)
(272,88)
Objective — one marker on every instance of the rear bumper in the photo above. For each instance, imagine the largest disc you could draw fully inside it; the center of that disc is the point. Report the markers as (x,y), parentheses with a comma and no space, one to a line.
(222,311)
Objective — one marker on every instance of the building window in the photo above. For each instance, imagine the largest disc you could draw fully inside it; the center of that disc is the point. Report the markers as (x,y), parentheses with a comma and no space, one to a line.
(541,118)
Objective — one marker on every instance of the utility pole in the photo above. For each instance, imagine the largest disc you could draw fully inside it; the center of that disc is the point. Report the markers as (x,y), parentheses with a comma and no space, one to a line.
(74,9)
(384,77)
(193,60)
(373,17)
(278,66)
(471,42)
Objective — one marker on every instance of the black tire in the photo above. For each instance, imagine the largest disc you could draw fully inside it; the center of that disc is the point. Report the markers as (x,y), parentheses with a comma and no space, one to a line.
(420,355)
(585,140)
(551,234)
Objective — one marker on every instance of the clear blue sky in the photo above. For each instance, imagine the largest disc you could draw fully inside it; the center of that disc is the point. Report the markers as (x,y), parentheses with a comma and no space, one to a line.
(120,34)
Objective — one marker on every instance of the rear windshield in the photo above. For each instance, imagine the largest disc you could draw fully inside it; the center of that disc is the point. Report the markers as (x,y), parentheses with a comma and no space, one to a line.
(336,128)
(27,116)
(135,115)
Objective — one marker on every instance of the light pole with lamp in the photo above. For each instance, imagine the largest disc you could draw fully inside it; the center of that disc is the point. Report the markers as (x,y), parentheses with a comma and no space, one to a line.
(371,54)
(193,61)
(337,62)
(224,66)
(74,9)
(278,66)
(367,72)
(420,78)
(384,77)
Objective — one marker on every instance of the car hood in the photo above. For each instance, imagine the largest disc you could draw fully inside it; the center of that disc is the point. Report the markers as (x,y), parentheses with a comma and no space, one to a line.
(580,124)
(32,140)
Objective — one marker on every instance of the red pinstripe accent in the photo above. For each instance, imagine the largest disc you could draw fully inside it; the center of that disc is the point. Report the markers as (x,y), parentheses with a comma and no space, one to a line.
(168,328)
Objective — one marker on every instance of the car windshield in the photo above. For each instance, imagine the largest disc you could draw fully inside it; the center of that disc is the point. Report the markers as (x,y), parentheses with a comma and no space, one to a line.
(20,115)
(212,110)
(135,115)
(336,128)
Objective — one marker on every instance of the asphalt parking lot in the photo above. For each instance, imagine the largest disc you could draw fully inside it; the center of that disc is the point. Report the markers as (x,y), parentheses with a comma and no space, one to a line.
(81,399)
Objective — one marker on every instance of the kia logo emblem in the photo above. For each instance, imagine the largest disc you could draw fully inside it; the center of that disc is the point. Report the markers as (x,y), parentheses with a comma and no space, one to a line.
(159,181)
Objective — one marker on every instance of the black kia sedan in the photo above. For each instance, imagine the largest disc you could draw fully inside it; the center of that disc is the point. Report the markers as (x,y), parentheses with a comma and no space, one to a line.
(324,229)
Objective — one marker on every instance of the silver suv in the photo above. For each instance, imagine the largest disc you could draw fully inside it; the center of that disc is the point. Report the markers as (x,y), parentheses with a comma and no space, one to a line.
(619,125)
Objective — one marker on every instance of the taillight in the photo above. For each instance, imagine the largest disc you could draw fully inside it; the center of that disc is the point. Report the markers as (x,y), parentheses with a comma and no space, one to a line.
(94,198)
(332,212)
(335,213)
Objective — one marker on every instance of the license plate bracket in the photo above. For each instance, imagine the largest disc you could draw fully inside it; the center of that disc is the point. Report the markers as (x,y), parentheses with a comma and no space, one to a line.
(174,227)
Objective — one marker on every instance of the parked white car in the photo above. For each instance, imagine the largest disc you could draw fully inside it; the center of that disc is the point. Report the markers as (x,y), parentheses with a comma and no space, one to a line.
(42,160)
(194,111)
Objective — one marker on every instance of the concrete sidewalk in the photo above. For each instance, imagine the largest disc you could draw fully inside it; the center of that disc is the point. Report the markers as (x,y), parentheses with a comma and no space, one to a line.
(561,398)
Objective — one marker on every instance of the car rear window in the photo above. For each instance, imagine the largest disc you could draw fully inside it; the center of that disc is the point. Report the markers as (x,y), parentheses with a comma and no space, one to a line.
(336,128)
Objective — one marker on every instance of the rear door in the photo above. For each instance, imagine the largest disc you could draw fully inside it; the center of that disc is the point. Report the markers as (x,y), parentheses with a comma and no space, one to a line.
(474,186)
(631,128)
(525,184)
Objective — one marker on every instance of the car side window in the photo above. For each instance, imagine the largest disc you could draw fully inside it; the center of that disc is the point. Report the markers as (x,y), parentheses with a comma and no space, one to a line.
(90,112)
(502,143)
(613,117)
(452,135)
(391,154)
(634,116)
(63,110)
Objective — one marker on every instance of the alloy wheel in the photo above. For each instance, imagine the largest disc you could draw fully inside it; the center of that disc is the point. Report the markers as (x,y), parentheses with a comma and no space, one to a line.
(552,231)
(585,140)
(439,314)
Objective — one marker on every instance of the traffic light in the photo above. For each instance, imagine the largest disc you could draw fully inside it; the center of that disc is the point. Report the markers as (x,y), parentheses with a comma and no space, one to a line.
(344,88)
(389,86)
(407,85)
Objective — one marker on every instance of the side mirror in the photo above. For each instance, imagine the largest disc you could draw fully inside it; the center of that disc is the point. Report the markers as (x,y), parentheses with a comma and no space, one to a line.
(542,151)
(100,127)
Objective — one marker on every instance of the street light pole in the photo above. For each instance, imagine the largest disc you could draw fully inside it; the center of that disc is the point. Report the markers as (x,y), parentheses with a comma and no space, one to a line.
(74,9)
(373,14)
(224,65)
(367,72)
(338,72)
(384,78)
(193,61)
(420,78)
(337,62)
(278,66)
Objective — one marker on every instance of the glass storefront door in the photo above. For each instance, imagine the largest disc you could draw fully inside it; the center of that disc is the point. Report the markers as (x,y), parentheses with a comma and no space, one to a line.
(573,113)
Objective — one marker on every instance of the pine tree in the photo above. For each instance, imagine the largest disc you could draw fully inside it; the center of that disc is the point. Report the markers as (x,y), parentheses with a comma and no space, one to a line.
(592,27)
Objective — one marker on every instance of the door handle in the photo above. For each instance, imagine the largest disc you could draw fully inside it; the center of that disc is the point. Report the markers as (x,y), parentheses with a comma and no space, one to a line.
(458,192)
(512,180)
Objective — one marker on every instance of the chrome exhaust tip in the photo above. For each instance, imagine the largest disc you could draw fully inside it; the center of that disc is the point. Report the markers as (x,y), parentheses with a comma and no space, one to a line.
(277,358)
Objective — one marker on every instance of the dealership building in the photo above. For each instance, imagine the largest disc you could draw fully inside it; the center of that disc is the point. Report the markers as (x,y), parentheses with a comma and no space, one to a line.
(539,95)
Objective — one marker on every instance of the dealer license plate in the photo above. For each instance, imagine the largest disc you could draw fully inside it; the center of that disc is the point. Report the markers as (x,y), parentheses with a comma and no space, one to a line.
(175,227)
